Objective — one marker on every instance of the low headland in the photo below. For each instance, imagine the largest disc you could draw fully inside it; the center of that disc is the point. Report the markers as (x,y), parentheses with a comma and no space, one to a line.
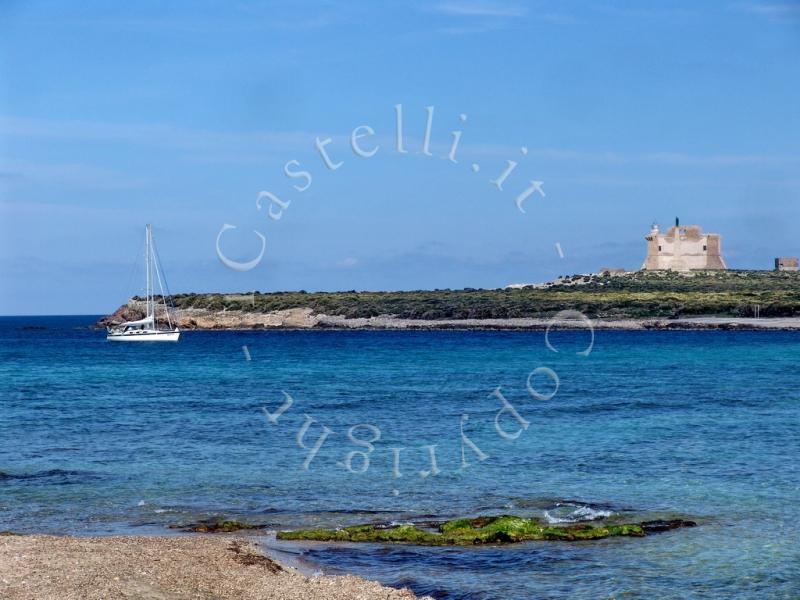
(639,300)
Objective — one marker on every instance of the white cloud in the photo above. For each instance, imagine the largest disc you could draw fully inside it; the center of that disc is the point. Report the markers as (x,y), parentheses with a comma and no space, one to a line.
(147,133)
(782,12)
(253,147)
(69,174)
(623,158)
(479,9)
(348,262)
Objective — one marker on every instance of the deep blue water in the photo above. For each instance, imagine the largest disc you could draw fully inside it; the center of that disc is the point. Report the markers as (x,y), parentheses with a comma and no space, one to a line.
(98,437)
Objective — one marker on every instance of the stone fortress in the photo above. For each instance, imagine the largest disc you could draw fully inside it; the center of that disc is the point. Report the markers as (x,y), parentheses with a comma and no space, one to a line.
(787,263)
(683,249)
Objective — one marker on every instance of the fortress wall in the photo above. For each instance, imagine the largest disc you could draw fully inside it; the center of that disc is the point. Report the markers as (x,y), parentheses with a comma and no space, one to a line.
(715,252)
(651,262)
(683,249)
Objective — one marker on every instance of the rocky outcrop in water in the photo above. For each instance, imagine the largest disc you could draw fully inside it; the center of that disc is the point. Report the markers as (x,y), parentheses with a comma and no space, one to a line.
(218,525)
(200,318)
(482,530)
(132,311)
(126,312)
(661,525)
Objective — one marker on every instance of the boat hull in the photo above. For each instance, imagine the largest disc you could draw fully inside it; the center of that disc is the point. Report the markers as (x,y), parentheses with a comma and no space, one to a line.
(144,336)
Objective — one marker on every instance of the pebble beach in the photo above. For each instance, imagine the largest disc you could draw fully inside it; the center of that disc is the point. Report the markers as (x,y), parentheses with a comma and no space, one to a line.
(42,567)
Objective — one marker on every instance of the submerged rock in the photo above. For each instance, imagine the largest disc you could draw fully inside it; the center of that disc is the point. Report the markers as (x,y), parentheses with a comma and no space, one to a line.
(481,530)
(660,525)
(218,525)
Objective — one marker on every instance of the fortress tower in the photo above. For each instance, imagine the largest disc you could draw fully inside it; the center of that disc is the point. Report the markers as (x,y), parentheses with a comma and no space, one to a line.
(683,249)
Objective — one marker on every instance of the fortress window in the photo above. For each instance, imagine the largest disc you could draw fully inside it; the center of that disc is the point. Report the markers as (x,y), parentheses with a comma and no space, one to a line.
(659,248)
(705,248)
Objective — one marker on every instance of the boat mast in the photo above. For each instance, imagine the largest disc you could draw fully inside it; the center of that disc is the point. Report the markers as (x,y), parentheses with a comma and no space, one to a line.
(149,283)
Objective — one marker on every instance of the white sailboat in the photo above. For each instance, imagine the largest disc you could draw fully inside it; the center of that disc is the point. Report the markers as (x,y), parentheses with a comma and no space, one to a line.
(146,329)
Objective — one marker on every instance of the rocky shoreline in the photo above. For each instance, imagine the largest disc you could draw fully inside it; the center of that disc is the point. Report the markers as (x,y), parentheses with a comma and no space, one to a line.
(306,318)
(215,561)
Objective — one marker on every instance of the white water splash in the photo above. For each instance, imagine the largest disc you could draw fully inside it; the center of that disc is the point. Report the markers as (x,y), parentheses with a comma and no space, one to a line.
(566,513)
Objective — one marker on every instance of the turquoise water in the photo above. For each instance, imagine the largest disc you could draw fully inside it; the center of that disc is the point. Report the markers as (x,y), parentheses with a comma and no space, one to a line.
(99,438)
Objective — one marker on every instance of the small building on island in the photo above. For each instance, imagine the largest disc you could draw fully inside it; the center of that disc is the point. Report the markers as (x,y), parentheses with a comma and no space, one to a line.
(787,263)
(684,248)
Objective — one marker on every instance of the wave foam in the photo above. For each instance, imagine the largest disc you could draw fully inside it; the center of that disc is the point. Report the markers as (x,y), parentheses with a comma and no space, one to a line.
(572,513)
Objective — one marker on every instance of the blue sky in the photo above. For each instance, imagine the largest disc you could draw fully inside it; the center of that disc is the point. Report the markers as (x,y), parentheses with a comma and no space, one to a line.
(113,115)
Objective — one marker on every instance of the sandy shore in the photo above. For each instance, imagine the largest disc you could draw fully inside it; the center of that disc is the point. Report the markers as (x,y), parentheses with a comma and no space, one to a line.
(42,567)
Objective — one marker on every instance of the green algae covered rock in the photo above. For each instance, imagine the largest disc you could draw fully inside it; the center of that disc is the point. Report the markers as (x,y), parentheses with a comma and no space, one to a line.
(366,533)
(218,525)
(466,532)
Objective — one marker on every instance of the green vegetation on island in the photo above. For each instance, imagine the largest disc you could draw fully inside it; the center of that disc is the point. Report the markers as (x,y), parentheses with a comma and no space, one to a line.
(643,294)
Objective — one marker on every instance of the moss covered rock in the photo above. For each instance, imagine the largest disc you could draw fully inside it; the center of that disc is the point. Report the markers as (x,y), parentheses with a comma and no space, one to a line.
(218,525)
(481,530)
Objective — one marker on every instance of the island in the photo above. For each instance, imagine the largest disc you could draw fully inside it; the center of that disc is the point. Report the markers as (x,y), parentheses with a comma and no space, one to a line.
(713,299)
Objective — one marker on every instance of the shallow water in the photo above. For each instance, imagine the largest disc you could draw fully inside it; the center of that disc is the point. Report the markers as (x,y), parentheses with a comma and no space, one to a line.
(97,437)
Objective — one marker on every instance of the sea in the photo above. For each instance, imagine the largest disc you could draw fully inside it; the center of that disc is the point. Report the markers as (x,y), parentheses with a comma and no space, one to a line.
(295,429)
